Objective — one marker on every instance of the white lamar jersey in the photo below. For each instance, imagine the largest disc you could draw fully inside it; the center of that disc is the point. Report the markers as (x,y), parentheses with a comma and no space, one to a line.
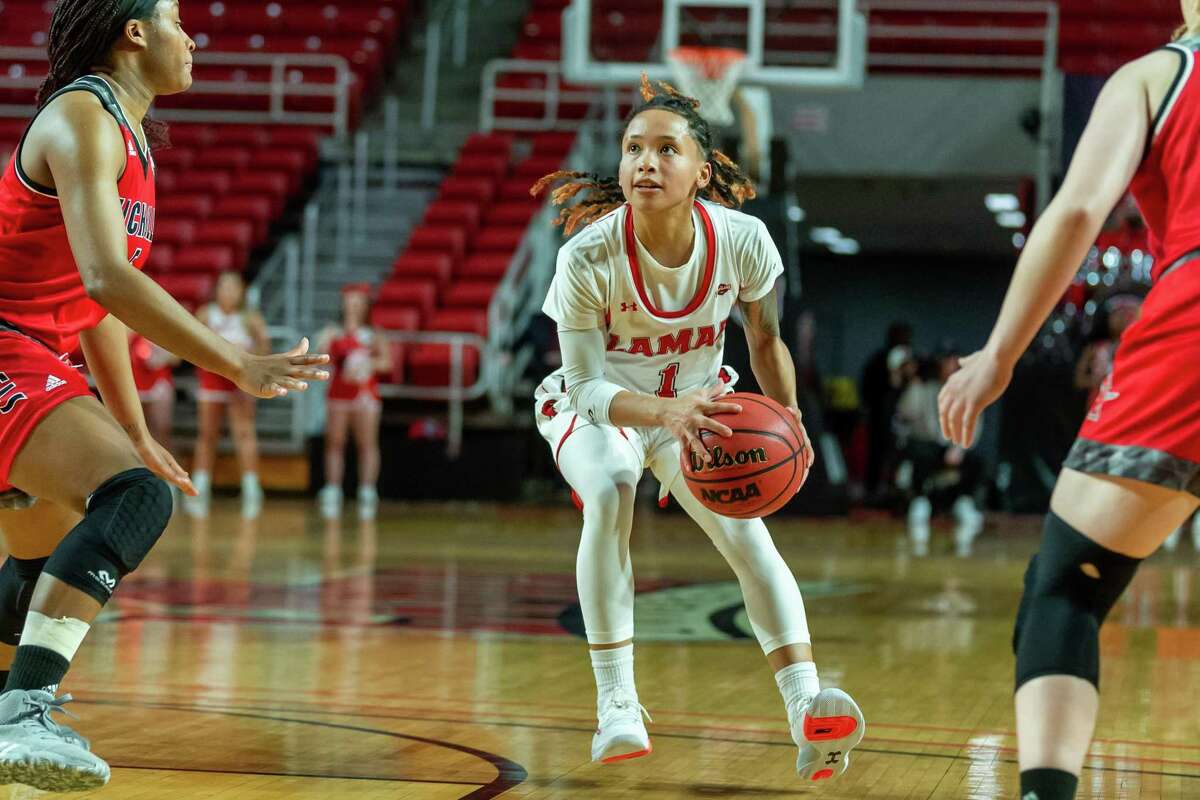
(665,326)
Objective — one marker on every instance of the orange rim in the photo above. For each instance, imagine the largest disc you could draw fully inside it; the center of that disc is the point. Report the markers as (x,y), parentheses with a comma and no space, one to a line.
(711,61)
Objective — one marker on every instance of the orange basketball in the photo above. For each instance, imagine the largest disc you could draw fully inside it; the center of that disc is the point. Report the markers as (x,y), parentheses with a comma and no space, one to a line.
(756,471)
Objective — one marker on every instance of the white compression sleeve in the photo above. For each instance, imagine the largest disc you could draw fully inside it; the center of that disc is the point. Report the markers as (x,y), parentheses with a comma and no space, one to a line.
(583,370)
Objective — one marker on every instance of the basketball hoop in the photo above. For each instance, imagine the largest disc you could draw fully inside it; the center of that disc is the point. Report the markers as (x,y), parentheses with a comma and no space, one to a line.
(709,74)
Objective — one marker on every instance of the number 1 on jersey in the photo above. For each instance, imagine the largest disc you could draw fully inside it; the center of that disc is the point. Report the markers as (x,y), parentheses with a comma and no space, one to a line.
(666,380)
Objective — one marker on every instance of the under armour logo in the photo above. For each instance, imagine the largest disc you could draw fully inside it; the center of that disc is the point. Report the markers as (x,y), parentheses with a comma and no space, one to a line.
(628,307)
(834,757)
(104,579)
(1105,395)
(723,289)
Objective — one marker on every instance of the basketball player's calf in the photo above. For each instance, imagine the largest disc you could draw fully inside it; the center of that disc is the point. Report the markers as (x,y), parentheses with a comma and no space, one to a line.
(17,579)
(124,518)
(1070,587)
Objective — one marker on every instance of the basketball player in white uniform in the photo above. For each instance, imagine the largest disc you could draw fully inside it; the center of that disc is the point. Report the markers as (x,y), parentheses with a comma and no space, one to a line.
(642,296)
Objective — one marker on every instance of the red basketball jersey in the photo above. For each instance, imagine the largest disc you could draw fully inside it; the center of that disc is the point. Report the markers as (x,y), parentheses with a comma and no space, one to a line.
(41,291)
(1167,184)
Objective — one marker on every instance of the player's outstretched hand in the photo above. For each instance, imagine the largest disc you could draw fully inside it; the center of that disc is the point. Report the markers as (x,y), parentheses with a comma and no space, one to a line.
(277,374)
(969,391)
(687,415)
(159,461)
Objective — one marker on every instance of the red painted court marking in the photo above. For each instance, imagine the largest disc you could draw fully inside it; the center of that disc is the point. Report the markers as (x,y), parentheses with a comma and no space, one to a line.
(822,775)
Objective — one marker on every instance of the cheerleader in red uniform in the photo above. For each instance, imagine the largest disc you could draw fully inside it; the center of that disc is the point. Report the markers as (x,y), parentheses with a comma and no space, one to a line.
(228,316)
(153,374)
(357,354)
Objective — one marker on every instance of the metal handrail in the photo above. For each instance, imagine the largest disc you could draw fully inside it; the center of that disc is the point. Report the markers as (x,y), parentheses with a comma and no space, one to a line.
(278,89)
(455,394)
(553,96)
(433,53)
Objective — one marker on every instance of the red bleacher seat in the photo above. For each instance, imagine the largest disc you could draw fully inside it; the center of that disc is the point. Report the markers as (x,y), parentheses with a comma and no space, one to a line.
(183,206)
(498,240)
(467,189)
(469,294)
(396,318)
(236,234)
(436,267)
(516,189)
(449,212)
(175,158)
(253,209)
(483,266)
(512,213)
(229,159)
(411,292)
(292,160)
(429,365)
(174,231)
(213,258)
(460,320)
(162,258)
(488,143)
(190,289)
(448,239)
(214,182)
(535,167)
(272,184)
(481,166)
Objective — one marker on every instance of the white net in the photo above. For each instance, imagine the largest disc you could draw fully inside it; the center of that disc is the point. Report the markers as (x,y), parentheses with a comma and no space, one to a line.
(709,74)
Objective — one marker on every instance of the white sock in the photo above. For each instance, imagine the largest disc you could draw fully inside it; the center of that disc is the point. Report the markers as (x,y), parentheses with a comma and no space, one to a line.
(798,684)
(62,635)
(249,481)
(614,670)
(201,480)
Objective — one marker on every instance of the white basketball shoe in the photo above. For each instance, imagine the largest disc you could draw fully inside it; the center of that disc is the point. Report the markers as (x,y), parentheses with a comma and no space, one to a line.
(826,731)
(620,732)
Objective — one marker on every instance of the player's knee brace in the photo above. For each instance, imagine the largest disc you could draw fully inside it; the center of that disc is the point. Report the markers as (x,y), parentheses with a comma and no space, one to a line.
(125,516)
(1070,586)
(17,579)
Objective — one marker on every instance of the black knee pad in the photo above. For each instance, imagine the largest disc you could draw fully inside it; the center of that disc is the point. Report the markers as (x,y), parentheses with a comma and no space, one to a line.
(1070,586)
(17,579)
(125,516)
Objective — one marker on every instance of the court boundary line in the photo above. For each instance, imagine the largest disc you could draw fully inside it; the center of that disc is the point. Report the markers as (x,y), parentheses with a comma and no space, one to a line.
(509,773)
(685,736)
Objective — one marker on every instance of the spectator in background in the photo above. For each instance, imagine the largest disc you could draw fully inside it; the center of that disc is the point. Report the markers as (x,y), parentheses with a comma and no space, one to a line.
(229,317)
(878,399)
(153,374)
(1118,312)
(938,467)
(357,354)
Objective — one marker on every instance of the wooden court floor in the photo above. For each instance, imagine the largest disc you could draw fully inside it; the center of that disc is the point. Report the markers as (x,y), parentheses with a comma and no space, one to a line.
(433,655)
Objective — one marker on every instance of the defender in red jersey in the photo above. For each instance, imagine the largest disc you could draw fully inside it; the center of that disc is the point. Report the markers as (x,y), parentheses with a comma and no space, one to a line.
(357,354)
(1133,475)
(77,218)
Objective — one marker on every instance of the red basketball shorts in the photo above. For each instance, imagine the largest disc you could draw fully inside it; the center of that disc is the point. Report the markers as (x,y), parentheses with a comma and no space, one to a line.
(1145,421)
(214,388)
(33,382)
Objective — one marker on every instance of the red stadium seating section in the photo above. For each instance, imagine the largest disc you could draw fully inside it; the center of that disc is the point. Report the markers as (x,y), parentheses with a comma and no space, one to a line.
(221,187)
(445,277)
(1095,36)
